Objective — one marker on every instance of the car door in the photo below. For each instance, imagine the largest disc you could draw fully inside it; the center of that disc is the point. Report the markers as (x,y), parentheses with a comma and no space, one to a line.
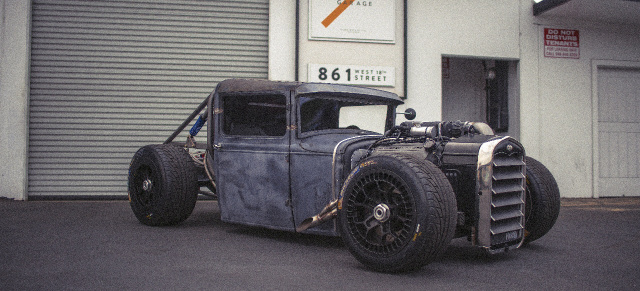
(312,159)
(252,160)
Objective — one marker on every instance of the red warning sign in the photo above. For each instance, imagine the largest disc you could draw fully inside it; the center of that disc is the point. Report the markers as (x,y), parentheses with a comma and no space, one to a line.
(561,43)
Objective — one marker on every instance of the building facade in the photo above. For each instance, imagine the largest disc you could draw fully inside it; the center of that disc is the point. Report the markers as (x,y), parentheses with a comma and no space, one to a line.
(85,83)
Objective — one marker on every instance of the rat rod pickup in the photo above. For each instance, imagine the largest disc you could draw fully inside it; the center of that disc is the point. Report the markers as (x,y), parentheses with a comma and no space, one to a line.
(330,159)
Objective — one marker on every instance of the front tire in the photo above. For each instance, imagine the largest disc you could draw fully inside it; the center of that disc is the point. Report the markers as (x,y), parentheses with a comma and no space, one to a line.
(397,213)
(163,185)
(542,200)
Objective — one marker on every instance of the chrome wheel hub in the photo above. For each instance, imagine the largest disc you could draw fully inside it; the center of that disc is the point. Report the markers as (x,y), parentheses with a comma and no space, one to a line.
(146,185)
(381,212)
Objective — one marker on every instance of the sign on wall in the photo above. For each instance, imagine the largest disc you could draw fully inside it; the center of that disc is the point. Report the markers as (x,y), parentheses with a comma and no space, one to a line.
(352,75)
(352,20)
(561,43)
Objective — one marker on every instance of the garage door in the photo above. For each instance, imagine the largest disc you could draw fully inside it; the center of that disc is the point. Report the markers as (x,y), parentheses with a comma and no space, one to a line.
(618,132)
(110,76)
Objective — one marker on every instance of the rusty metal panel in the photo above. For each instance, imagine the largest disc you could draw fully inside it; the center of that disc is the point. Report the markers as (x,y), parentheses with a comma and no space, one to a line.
(252,162)
(253,182)
(311,187)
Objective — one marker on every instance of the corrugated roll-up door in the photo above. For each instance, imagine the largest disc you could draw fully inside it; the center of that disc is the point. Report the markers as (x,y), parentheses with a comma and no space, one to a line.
(108,77)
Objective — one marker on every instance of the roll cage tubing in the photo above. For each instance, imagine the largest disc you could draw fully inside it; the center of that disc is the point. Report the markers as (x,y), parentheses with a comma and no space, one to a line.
(189,119)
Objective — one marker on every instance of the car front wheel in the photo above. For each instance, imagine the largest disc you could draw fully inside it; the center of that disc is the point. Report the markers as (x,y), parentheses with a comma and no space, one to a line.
(396,213)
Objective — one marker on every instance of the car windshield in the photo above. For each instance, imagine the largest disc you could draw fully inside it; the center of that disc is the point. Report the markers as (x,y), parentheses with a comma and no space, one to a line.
(326,113)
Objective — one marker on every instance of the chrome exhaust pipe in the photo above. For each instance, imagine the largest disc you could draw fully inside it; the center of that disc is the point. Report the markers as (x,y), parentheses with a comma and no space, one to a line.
(328,212)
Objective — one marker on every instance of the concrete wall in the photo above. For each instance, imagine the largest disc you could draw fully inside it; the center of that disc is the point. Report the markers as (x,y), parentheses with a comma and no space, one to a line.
(353,53)
(483,29)
(557,96)
(15,23)
(282,40)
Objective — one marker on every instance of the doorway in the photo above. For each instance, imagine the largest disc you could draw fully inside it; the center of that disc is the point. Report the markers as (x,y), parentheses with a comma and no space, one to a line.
(481,90)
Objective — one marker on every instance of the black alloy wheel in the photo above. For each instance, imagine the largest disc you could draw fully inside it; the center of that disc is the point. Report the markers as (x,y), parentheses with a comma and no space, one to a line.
(163,185)
(396,213)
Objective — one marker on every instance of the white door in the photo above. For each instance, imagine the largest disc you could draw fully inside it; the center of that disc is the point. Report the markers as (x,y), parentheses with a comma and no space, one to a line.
(618,132)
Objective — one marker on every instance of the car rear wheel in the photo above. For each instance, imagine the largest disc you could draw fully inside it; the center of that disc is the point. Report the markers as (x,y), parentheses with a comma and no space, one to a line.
(542,200)
(163,185)
(396,213)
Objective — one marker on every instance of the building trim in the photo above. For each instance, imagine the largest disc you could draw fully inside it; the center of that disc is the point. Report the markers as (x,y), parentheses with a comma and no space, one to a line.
(546,5)
(15,46)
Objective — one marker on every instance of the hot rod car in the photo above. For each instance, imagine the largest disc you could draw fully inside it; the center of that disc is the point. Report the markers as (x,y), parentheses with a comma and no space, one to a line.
(330,159)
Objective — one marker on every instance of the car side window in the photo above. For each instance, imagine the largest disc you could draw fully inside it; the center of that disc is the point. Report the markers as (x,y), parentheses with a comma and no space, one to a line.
(318,114)
(323,113)
(254,115)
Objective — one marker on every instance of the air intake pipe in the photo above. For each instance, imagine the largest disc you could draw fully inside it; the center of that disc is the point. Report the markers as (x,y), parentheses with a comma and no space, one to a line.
(451,129)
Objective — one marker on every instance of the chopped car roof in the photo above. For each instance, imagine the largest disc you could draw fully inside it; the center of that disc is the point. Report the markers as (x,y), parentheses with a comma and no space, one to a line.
(257,85)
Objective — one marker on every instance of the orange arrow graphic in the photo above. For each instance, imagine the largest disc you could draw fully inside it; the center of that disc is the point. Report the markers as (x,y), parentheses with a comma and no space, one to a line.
(336,12)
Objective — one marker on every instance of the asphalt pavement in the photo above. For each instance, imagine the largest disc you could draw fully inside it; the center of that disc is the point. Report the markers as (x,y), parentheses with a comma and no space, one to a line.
(99,245)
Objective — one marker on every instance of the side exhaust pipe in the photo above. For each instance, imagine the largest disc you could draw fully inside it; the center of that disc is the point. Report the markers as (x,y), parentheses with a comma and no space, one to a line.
(328,212)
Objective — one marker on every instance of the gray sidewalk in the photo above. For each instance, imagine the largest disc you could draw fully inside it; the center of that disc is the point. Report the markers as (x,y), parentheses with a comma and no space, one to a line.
(99,245)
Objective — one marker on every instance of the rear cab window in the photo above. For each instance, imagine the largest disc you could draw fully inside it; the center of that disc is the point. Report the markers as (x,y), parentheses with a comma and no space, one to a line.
(254,115)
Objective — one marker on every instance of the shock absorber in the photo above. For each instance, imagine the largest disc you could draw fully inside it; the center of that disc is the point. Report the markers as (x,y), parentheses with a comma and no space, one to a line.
(202,119)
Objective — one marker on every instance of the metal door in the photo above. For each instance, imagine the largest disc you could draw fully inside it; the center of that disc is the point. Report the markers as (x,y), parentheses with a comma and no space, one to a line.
(252,160)
(108,77)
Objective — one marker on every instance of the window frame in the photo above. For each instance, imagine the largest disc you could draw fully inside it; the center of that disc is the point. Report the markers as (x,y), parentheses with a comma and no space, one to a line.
(389,119)
(224,120)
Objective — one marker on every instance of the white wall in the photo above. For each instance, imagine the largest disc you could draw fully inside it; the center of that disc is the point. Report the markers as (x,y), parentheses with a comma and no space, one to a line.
(483,29)
(555,95)
(14,97)
(353,53)
(565,101)
(282,40)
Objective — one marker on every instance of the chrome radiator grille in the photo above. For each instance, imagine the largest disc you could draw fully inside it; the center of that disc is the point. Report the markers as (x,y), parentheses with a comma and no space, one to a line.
(501,195)
(507,200)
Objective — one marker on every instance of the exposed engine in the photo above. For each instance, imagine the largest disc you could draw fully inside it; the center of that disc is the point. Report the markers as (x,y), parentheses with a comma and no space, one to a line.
(426,140)
(485,171)
(438,130)
(432,135)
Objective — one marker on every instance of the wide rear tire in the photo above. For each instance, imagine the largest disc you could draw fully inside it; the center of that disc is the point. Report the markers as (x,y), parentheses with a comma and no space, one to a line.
(396,213)
(542,200)
(163,185)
